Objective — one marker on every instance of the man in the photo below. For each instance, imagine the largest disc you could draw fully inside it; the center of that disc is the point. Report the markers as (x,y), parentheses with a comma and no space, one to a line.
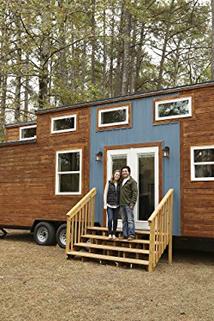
(128,198)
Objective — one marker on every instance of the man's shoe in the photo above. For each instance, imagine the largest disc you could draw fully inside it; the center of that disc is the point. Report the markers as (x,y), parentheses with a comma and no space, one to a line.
(131,237)
(110,236)
(114,237)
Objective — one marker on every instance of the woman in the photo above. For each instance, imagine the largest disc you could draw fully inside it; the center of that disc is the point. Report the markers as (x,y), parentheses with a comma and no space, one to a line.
(111,202)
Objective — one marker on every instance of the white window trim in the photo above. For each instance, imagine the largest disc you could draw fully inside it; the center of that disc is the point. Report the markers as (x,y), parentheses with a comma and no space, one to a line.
(193,164)
(57,192)
(157,103)
(63,130)
(26,127)
(125,122)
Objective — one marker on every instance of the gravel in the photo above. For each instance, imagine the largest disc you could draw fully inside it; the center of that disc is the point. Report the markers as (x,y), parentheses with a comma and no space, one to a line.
(39,283)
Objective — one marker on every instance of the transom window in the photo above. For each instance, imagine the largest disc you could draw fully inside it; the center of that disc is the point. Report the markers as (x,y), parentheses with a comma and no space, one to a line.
(27,132)
(68,172)
(202,163)
(63,124)
(173,108)
(114,116)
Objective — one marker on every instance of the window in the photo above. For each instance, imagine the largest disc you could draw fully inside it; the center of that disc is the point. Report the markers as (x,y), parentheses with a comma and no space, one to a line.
(172,109)
(63,124)
(27,132)
(114,116)
(68,172)
(202,163)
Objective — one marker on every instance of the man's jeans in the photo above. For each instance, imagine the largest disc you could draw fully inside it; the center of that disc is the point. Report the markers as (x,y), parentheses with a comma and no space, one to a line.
(112,219)
(127,216)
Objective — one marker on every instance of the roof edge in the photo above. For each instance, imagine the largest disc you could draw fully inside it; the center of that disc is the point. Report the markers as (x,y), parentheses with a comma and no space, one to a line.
(17,143)
(20,124)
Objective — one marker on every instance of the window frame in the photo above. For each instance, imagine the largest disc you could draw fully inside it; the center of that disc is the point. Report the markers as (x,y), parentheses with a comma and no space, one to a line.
(26,127)
(57,173)
(115,125)
(63,130)
(193,164)
(173,117)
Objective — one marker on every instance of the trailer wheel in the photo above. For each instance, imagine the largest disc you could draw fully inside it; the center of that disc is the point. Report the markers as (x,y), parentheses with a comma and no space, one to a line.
(44,234)
(61,236)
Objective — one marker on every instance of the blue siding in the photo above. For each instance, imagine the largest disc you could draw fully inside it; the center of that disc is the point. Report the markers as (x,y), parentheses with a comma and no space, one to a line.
(142,131)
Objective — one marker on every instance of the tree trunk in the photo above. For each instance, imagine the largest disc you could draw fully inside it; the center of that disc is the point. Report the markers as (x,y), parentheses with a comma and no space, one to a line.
(139,58)
(118,71)
(126,51)
(111,70)
(165,42)
(104,52)
(18,76)
(133,58)
(93,43)
(62,73)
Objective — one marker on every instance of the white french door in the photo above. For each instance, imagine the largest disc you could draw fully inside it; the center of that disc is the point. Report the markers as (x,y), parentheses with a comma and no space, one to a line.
(144,169)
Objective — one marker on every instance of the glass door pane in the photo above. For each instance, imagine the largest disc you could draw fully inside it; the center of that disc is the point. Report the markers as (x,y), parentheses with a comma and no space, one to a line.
(146,184)
(118,161)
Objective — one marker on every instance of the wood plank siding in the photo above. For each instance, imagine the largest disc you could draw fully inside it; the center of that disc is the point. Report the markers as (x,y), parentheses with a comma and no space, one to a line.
(27,172)
(197,197)
(12,134)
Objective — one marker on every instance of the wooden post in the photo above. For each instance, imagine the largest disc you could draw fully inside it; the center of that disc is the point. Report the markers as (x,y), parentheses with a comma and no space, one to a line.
(68,235)
(92,211)
(151,247)
(170,230)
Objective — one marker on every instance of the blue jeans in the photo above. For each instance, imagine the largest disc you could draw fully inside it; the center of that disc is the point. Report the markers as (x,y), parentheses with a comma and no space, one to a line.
(112,219)
(127,216)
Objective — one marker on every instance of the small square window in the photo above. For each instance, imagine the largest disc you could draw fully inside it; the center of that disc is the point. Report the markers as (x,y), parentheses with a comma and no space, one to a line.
(27,132)
(63,124)
(202,163)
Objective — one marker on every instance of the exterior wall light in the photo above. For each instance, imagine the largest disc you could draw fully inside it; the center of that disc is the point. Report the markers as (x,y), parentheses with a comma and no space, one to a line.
(166,152)
(99,156)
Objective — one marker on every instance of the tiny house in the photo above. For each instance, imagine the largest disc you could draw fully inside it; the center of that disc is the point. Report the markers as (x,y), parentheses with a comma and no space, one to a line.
(165,136)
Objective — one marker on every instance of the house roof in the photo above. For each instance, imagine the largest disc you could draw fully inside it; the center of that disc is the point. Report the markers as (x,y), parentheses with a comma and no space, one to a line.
(118,99)
(20,124)
(17,142)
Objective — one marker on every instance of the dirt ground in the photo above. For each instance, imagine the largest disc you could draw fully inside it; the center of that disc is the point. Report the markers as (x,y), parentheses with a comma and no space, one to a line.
(38,283)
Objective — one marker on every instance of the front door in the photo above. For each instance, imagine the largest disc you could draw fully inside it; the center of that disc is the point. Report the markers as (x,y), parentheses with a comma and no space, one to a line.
(144,169)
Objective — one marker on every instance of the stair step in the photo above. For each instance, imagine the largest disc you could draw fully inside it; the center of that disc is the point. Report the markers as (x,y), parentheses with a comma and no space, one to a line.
(112,248)
(105,229)
(108,258)
(105,238)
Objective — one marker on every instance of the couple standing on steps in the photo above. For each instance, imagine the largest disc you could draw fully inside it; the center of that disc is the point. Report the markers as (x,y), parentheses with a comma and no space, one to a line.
(120,196)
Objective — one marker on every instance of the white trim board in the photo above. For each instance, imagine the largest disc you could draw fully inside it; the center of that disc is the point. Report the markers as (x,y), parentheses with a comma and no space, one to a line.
(157,103)
(132,158)
(68,172)
(193,164)
(26,127)
(74,116)
(125,122)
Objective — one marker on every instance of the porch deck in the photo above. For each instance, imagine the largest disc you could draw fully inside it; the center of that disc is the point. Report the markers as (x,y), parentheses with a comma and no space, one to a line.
(84,240)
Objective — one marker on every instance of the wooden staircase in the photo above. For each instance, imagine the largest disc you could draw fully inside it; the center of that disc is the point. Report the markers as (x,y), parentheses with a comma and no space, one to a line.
(85,241)
(96,245)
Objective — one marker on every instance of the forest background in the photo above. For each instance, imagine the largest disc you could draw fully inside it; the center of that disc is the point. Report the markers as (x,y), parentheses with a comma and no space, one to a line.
(55,53)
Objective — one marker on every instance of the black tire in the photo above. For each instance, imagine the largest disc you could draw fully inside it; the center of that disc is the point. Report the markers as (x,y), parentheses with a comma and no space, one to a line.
(61,236)
(44,234)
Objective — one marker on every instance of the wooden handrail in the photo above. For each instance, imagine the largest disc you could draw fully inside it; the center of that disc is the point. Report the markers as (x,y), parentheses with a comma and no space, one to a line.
(160,223)
(157,209)
(82,202)
(79,218)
